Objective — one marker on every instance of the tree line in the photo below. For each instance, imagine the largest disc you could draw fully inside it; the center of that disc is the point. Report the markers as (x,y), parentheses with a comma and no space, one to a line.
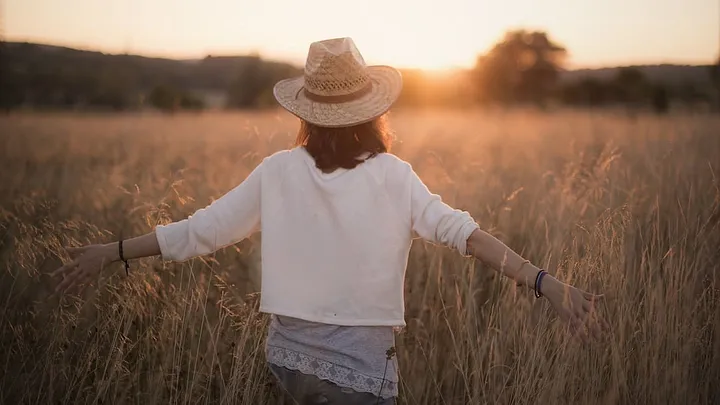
(524,67)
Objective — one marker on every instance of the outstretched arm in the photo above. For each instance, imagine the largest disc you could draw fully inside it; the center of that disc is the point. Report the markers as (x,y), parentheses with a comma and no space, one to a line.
(89,260)
(436,221)
(497,255)
(226,221)
(573,305)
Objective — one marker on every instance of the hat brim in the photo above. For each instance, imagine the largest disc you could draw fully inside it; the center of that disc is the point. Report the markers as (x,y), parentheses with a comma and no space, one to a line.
(386,82)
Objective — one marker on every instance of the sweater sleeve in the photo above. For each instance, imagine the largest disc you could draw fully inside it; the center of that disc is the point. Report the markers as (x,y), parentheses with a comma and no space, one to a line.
(436,221)
(226,221)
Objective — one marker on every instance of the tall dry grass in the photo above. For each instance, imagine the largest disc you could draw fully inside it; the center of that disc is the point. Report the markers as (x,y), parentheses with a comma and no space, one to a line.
(629,207)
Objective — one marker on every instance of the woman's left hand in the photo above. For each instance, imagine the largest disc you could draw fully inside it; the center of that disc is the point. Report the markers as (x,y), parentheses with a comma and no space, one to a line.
(87,264)
(577,307)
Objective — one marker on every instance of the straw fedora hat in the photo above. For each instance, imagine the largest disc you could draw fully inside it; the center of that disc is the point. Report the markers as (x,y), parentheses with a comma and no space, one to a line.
(338,89)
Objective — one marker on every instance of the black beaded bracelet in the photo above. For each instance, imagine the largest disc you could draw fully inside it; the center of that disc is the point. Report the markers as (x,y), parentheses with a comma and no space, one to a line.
(122,258)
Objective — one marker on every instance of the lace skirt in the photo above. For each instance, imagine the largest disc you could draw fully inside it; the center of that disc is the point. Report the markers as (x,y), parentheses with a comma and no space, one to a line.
(354,357)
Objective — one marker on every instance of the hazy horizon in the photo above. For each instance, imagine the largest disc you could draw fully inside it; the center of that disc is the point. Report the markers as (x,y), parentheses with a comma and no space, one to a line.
(596,35)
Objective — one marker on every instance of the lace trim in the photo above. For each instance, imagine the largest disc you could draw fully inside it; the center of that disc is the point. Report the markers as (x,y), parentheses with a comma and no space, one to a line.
(340,375)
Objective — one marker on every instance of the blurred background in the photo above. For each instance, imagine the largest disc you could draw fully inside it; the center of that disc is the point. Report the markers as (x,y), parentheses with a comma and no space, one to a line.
(582,133)
(219,54)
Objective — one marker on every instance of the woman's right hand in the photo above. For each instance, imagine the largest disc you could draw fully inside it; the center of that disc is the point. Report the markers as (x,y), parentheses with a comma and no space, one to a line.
(577,307)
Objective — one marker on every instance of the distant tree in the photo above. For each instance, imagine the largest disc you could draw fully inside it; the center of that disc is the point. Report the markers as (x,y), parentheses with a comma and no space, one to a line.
(10,86)
(690,94)
(588,92)
(249,84)
(523,67)
(112,89)
(631,85)
(254,83)
(164,98)
(112,99)
(190,102)
(660,99)
(56,77)
(170,99)
(714,72)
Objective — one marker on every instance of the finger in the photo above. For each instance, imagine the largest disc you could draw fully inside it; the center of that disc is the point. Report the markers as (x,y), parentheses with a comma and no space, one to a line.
(60,288)
(574,326)
(578,329)
(582,333)
(580,312)
(76,280)
(589,318)
(593,297)
(82,280)
(605,324)
(594,326)
(575,322)
(80,286)
(588,306)
(69,281)
(577,333)
(90,282)
(76,251)
(65,268)
(63,285)
(89,278)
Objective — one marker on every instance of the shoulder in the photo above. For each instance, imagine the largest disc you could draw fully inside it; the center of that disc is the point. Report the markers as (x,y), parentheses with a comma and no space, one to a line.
(392,162)
(281,155)
(395,171)
(282,158)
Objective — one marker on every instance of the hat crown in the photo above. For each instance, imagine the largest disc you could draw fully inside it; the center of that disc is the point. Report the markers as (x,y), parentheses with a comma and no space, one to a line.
(335,67)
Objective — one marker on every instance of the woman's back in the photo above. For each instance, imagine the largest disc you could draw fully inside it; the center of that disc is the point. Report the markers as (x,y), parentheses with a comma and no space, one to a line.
(344,237)
(334,245)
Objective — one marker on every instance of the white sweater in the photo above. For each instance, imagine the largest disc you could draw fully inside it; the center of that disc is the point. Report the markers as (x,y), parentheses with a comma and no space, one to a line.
(334,246)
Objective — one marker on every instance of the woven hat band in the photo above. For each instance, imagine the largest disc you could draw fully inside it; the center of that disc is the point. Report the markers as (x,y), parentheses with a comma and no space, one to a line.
(342,98)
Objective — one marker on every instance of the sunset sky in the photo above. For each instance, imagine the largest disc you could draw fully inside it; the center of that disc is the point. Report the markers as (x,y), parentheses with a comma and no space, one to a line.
(410,33)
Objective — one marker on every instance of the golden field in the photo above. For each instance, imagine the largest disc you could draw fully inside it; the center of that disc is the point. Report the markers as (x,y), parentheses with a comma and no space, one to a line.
(625,205)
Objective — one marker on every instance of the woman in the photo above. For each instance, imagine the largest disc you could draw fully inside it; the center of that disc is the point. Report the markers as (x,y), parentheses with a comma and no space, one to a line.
(337,214)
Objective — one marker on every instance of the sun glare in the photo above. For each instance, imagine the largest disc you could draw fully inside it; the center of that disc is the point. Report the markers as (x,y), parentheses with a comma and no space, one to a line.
(426,56)
(430,62)
(434,39)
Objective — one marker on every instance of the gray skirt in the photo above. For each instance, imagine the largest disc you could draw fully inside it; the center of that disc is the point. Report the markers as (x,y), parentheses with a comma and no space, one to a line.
(332,361)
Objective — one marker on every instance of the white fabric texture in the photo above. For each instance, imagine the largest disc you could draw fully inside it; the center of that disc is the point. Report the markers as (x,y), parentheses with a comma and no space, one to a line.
(334,246)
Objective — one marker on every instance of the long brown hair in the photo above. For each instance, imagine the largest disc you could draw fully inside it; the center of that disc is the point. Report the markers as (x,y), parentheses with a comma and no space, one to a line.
(334,148)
